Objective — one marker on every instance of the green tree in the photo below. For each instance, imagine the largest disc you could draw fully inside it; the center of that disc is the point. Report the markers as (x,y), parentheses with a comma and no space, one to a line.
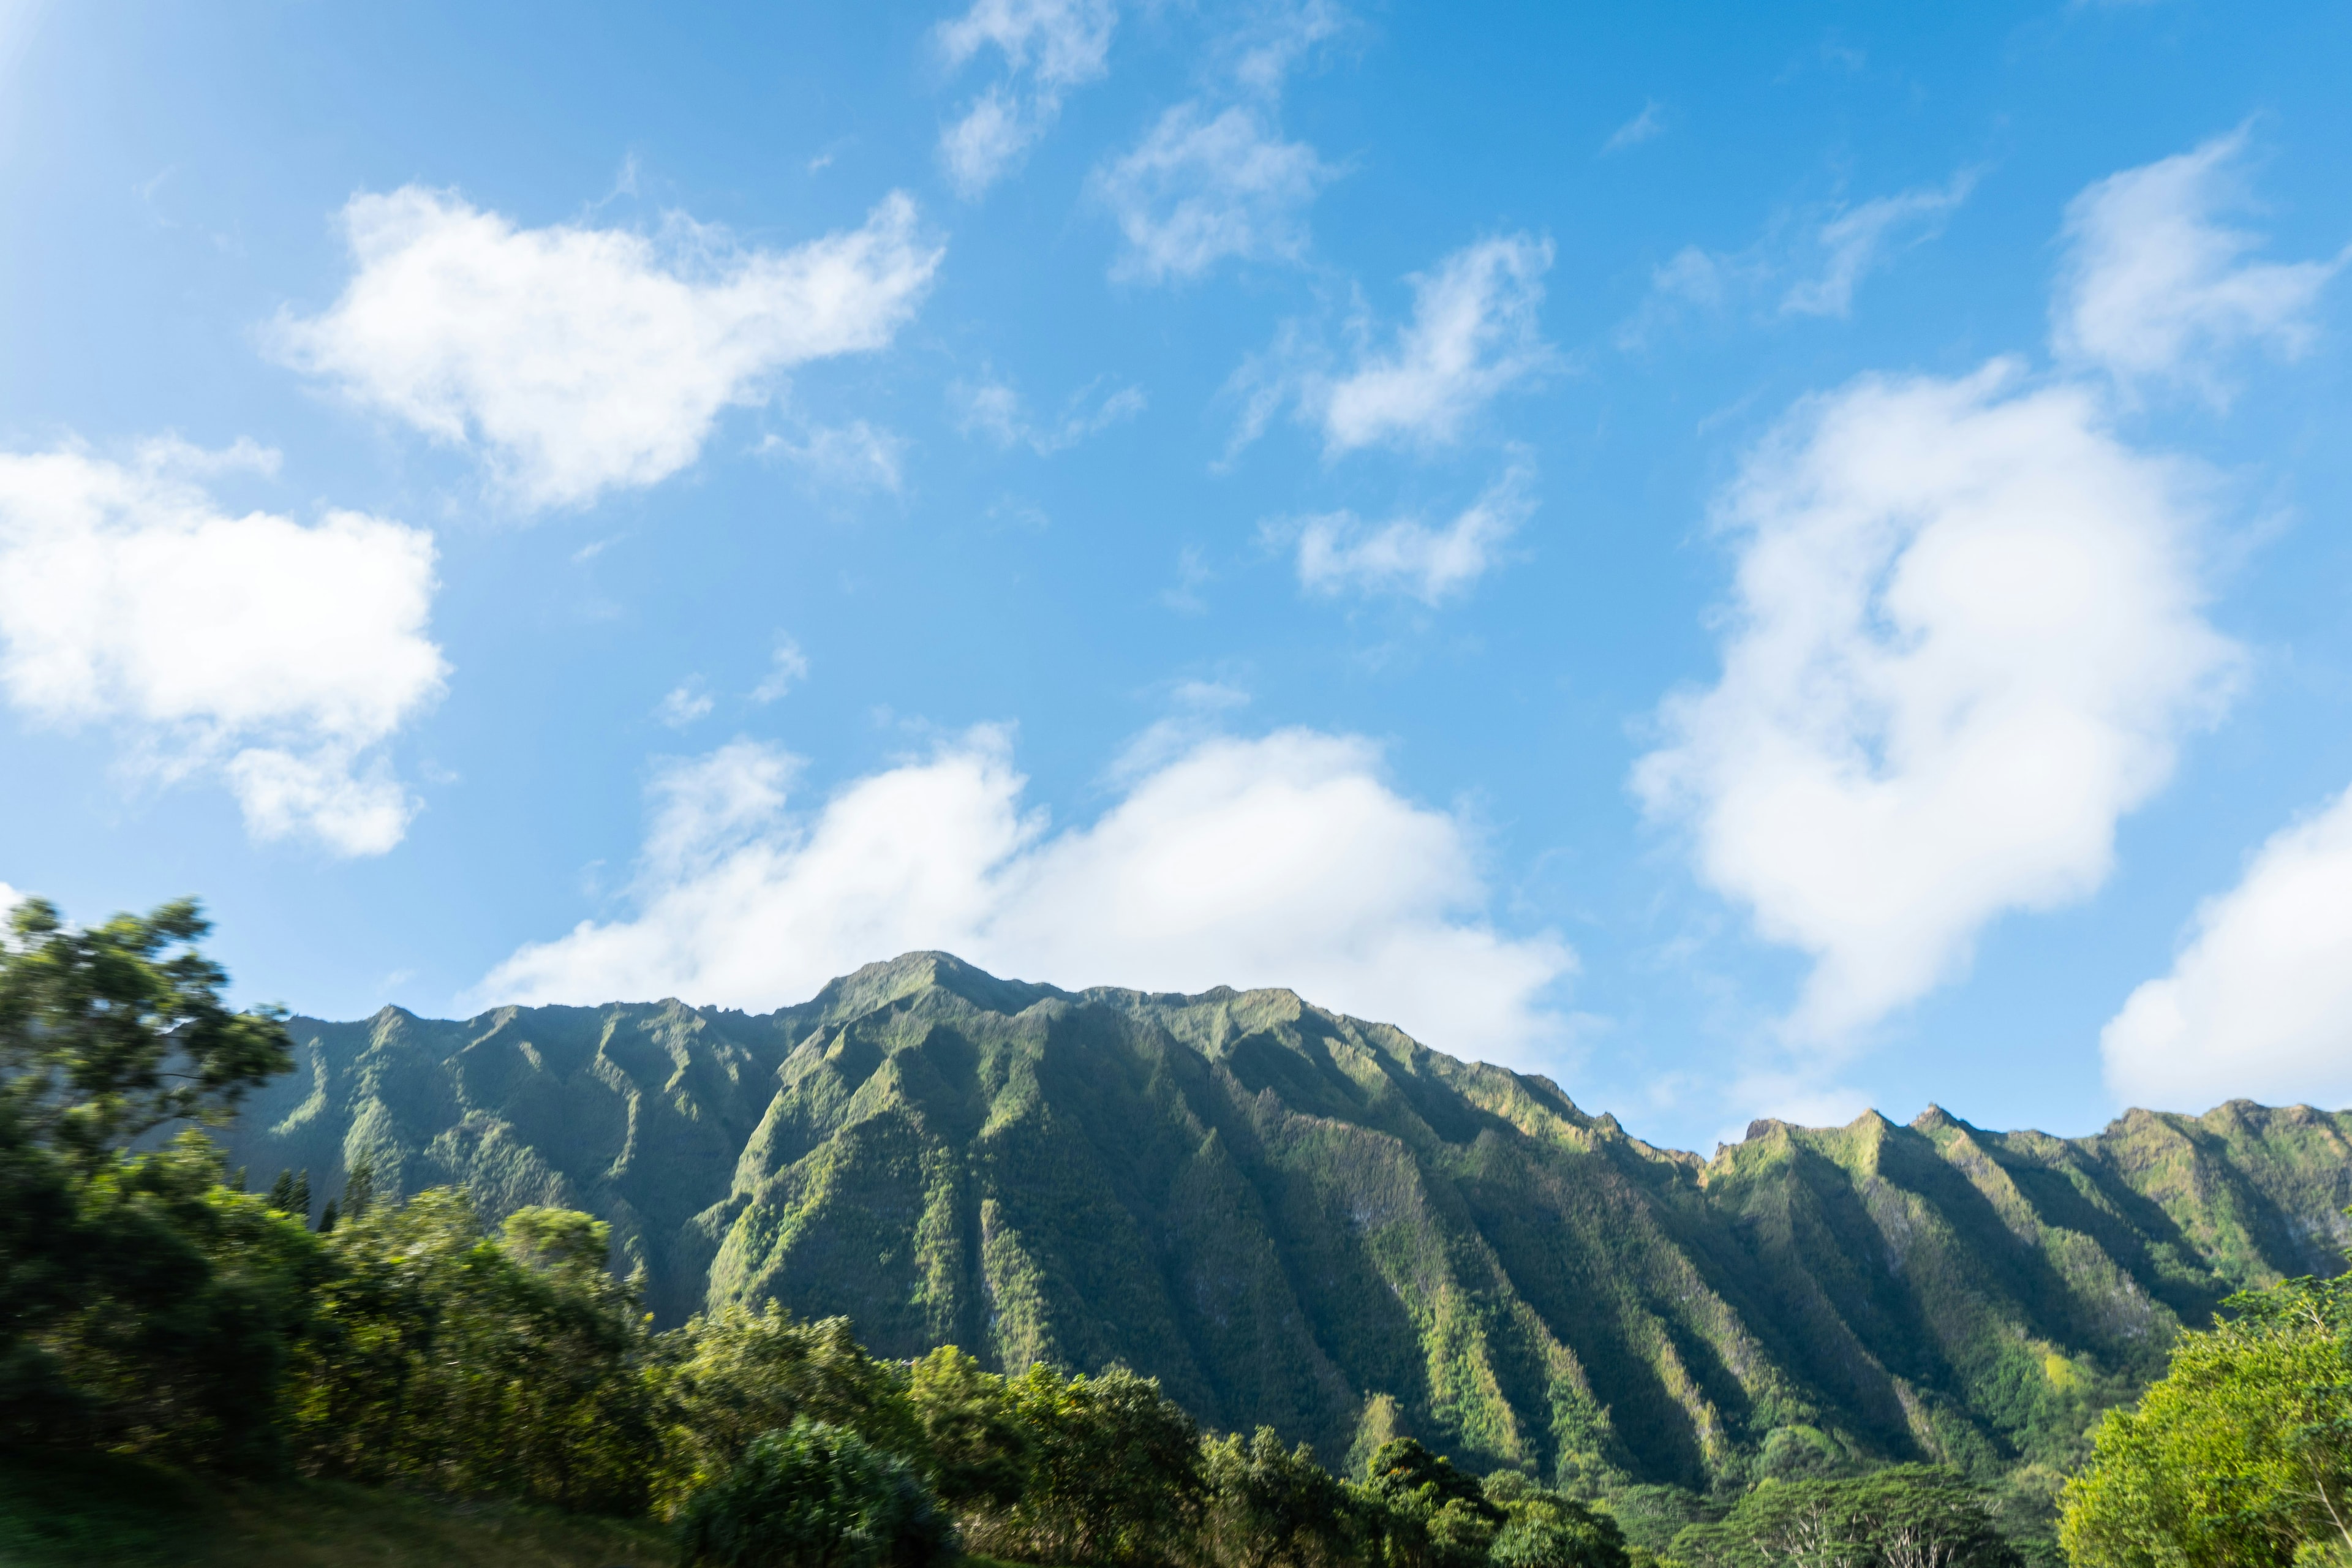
(730,1377)
(1544,1529)
(1114,1476)
(359,1190)
(1906,1516)
(1271,1507)
(509,1364)
(1422,1512)
(2241,1454)
(143,1305)
(816,1496)
(973,1442)
(109,1032)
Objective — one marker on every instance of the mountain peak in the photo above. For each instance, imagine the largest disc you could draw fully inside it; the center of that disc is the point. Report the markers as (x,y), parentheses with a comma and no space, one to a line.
(1302,1219)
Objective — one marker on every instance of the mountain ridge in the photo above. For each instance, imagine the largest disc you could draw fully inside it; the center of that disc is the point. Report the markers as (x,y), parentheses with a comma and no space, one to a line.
(1313,1221)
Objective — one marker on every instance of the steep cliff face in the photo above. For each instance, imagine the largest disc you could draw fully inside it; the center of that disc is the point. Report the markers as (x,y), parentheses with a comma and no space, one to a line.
(1303,1219)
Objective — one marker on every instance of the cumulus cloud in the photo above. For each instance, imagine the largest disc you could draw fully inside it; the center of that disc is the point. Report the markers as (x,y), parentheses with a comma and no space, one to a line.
(2259,1001)
(993,409)
(2154,285)
(279,655)
(584,359)
(1284,860)
(1966,638)
(1198,190)
(1854,242)
(1048,46)
(1340,553)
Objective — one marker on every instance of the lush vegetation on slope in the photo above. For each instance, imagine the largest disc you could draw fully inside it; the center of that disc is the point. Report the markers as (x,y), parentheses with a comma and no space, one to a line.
(1301,1220)
(153,1310)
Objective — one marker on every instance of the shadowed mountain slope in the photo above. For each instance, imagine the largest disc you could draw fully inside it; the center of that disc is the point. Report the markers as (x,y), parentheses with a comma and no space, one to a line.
(1300,1218)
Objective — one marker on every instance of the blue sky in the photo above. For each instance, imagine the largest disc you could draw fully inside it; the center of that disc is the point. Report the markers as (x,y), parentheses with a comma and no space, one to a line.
(1756,560)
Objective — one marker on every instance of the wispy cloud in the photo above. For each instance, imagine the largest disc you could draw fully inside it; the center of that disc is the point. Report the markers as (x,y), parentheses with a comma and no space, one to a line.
(1339,554)
(1048,46)
(1808,263)
(1214,180)
(855,456)
(1200,190)
(787,669)
(993,410)
(2155,287)
(1193,574)
(1857,241)
(683,704)
(1473,335)
(1648,124)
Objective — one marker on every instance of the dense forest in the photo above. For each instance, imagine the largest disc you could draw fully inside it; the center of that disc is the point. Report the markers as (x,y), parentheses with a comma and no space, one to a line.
(442,1338)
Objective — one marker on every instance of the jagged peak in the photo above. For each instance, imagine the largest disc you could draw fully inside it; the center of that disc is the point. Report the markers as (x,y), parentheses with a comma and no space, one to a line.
(876,985)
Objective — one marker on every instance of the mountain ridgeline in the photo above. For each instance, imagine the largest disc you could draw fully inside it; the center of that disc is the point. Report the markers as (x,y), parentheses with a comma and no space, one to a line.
(1301,1219)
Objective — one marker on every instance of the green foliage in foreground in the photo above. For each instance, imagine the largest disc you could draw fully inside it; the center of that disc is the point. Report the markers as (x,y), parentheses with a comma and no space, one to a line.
(81,1511)
(816,1496)
(2241,1455)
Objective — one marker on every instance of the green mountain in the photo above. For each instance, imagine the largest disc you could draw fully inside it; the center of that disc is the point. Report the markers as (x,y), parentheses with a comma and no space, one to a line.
(1294,1217)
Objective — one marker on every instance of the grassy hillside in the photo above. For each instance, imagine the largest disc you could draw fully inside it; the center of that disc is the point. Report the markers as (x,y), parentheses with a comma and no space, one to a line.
(1303,1219)
(76,1511)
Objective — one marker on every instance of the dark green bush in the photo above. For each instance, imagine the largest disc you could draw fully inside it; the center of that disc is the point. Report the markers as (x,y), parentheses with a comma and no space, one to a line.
(816,1496)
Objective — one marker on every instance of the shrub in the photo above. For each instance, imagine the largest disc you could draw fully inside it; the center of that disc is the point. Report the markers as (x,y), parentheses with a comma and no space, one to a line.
(816,1496)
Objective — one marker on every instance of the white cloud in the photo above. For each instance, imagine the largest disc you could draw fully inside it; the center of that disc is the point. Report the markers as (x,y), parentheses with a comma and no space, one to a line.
(1198,190)
(1339,554)
(582,359)
(1651,122)
(1473,336)
(2259,1001)
(1966,638)
(1263,51)
(1048,46)
(787,669)
(1193,574)
(279,654)
(1279,861)
(993,409)
(1854,242)
(683,704)
(857,456)
(2154,285)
